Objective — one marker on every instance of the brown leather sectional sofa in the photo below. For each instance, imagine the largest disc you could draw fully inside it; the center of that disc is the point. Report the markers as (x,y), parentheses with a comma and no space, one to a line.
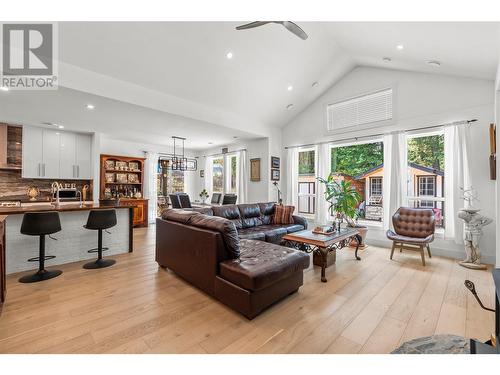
(214,255)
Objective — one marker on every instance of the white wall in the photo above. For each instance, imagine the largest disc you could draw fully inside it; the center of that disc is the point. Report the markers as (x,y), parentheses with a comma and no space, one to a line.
(134,149)
(256,148)
(420,100)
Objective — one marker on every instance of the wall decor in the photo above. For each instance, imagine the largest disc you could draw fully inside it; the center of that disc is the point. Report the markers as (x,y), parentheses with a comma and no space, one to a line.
(110,177)
(255,170)
(133,166)
(493,152)
(121,178)
(275,162)
(275,174)
(202,173)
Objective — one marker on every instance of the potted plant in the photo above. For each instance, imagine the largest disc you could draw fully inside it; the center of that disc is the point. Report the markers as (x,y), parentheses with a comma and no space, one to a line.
(343,199)
(204,195)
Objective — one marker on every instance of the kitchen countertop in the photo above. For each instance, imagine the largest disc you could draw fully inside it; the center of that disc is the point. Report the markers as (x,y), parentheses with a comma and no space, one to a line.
(63,207)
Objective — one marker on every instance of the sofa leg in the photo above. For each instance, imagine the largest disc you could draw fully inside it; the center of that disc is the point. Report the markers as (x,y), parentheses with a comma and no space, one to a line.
(429,250)
(393,247)
(422,254)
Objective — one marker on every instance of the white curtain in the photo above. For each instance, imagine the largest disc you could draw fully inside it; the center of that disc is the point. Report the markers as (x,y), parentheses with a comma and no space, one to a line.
(456,176)
(242,174)
(292,177)
(208,176)
(151,186)
(323,171)
(395,179)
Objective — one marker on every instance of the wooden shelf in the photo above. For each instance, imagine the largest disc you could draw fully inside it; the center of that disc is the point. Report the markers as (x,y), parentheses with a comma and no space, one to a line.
(123,183)
(120,171)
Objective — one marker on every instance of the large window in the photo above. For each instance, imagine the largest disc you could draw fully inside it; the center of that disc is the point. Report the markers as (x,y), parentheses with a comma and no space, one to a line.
(425,187)
(218,175)
(168,181)
(225,174)
(307,182)
(362,164)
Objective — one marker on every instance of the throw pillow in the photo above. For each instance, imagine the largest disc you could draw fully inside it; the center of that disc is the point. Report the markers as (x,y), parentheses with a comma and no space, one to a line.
(283,214)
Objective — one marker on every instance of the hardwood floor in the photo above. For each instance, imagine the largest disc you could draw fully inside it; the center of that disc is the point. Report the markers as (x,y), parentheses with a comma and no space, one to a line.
(370,306)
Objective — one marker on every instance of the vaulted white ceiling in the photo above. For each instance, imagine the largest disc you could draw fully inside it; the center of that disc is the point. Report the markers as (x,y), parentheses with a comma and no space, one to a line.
(180,69)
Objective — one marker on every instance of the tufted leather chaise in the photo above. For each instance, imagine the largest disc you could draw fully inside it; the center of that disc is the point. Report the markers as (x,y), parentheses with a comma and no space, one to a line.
(207,251)
(413,230)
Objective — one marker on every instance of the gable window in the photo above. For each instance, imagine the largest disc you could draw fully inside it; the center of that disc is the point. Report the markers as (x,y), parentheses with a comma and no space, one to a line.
(361,110)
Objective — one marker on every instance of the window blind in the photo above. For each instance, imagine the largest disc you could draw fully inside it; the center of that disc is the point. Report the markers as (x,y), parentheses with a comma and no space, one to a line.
(365,109)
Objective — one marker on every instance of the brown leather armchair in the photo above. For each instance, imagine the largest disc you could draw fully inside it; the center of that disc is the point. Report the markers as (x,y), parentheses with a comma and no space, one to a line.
(413,230)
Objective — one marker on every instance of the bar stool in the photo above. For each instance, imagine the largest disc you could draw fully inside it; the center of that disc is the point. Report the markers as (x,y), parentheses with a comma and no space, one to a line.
(100,220)
(41,224)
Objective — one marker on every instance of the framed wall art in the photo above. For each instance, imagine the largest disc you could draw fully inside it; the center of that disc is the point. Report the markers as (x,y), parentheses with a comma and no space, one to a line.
(255,169)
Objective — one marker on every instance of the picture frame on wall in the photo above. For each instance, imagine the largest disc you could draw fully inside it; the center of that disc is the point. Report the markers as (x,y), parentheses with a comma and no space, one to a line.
(202,173)
(255,170)
(275,174)
(275,162)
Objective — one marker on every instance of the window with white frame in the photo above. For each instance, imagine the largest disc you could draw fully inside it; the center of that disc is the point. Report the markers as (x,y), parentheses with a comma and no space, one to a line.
(225,174)
(362,164)
(425,173)
(307,182)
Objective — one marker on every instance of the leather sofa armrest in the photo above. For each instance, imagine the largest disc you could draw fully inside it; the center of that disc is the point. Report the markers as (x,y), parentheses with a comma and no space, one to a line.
(300,220)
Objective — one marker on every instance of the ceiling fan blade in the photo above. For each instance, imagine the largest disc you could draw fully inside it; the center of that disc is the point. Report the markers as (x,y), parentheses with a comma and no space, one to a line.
(294,28)
(251,25)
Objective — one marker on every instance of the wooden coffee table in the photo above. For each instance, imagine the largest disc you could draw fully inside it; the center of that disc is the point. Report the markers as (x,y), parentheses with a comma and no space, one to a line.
(323,244)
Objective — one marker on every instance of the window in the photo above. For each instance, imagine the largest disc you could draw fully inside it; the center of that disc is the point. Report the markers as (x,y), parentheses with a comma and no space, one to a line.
(218,175)
(376,186)
(225,174)
(365,109)
(362,164)
(425,186)
(307,182)
(168,181)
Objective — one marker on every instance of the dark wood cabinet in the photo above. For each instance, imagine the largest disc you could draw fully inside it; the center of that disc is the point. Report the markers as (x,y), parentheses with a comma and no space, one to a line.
(122,180)
(2,259)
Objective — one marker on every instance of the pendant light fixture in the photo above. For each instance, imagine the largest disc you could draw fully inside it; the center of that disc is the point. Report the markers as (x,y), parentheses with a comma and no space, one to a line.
(179,161)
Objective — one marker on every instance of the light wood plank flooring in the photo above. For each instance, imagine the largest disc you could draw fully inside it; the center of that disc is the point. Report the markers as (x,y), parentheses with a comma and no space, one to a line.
(370,306)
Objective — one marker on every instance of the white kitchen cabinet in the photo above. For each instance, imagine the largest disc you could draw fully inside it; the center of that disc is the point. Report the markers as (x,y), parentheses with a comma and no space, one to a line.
(56,155)
(51,154)
(67,163)
(83,156)
(32,152)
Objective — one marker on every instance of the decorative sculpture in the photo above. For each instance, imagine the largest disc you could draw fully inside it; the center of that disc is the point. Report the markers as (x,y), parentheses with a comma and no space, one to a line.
(473,231)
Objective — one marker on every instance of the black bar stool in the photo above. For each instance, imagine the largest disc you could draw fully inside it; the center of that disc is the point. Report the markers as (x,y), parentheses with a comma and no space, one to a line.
(100,220)
(41,224)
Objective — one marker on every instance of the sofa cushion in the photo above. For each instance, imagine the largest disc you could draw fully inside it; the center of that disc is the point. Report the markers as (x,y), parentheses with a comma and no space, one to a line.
(225,227)
(250,215)
(262,264)
(204,210)
(229,212)
(267,212)
(283,214)
(254,233)
(292,228)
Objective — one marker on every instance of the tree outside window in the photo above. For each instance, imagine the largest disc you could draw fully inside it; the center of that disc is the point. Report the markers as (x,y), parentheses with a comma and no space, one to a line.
(218,175)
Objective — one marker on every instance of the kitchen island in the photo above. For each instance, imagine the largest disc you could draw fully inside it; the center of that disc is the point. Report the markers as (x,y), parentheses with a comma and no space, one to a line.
(73,241)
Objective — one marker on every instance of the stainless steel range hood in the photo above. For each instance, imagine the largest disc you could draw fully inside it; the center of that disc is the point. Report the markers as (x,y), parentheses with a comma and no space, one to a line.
(10,147)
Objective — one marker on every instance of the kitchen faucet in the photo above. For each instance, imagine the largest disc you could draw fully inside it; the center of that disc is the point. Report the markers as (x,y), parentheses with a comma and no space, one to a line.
(55,189)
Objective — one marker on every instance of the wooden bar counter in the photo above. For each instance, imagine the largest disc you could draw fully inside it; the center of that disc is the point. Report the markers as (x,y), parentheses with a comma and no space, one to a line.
(73,241)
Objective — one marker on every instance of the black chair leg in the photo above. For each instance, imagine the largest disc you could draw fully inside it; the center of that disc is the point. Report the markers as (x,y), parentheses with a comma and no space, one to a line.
(42,273)
(99,263)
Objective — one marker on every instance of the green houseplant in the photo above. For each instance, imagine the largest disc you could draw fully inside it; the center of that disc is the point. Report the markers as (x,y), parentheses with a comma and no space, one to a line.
(204,195)
(343,198)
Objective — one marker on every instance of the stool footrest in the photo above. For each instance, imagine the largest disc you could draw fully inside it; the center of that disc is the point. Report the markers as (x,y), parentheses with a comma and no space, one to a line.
(37,259)
(95,250)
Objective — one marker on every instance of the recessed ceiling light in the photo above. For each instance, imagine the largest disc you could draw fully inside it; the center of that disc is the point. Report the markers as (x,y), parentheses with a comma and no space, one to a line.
(90,106)
(4,88)
(386,59)
(289,106)
(60,126)
(434,63)
(315,84)
(229,55)
(400,47)
(290,88)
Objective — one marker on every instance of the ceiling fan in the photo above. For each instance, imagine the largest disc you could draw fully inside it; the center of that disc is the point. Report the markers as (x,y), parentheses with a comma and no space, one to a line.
(289,25)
